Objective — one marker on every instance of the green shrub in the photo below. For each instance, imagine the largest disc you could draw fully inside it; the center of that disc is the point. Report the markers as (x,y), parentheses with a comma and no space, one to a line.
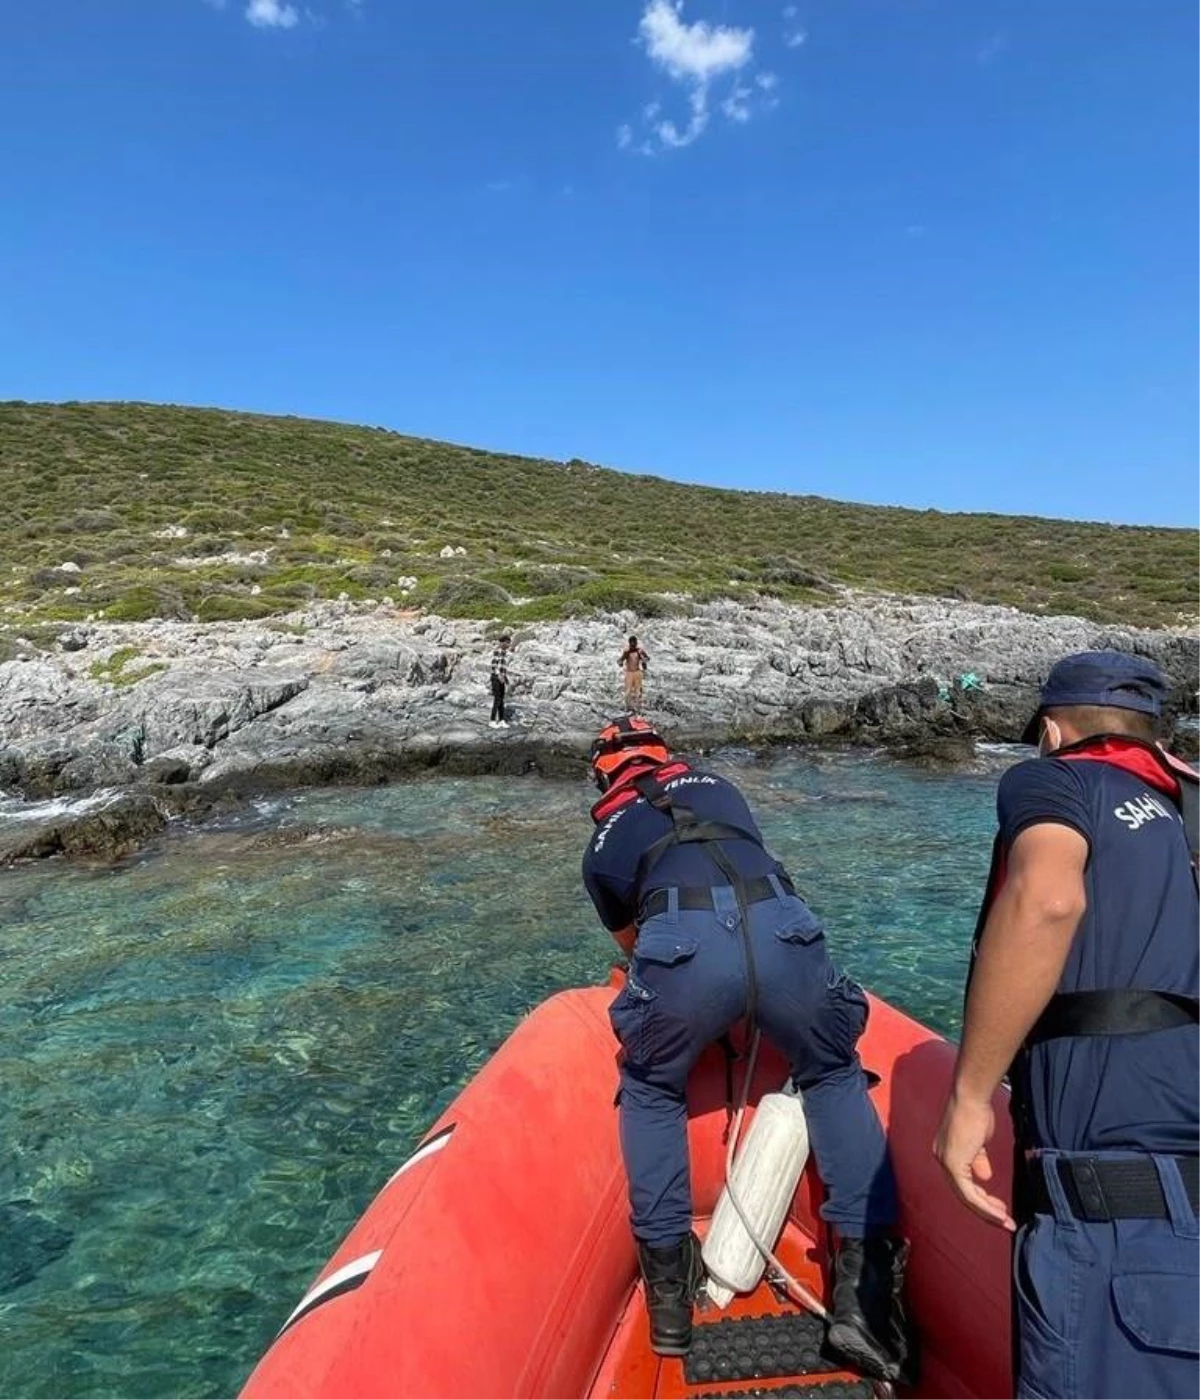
(88,522)
(50,578)
(119,547)
(797,575)
(379,578)
(464,595)
(1067,573)
(200,546)
(145,601)
(213,520)
(230,607)
(297,589)
(540,582)
(603,596)
(552,609)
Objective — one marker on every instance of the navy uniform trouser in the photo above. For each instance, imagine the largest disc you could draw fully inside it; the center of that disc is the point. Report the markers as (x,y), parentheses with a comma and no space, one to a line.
(1109,1308)
(687,985)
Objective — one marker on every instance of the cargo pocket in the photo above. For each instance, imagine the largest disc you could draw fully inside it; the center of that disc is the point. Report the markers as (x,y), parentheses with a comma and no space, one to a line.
(1160,1308)
(798,924)
(846,1008)
(1043,1315)
(627,1016)
(664,947)
(658,991)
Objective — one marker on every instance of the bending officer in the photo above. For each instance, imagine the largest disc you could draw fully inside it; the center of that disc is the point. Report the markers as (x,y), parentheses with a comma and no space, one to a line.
(678,873)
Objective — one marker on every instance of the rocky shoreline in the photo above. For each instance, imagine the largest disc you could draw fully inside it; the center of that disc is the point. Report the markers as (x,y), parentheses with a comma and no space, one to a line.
(161,719)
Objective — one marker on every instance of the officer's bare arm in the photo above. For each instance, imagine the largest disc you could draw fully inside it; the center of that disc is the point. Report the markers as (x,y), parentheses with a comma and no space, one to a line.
(626,937)
(1022,953)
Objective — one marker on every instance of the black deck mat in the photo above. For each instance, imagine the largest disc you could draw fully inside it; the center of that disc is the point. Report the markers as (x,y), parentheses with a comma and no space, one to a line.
(791,1391)
(752,1348)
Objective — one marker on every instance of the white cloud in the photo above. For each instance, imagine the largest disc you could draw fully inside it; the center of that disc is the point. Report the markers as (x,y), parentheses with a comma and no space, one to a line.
(793,34)
(272,14)
(706,61)
(669,134)
(736,107)
(698,51)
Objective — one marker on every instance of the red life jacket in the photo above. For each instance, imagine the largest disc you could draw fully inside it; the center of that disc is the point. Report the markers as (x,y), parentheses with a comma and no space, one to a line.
(626,790)
(686,828)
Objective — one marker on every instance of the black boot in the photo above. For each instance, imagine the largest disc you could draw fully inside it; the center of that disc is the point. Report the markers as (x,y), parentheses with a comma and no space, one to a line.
(673,1277)
(869,1327)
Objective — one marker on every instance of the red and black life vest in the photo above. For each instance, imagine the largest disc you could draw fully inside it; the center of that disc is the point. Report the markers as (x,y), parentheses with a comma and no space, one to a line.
(686,828)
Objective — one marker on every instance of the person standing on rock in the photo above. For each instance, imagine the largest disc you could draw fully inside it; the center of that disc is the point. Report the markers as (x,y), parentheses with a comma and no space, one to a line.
(715,931)
(633,662)
(499,682)
(1083,991)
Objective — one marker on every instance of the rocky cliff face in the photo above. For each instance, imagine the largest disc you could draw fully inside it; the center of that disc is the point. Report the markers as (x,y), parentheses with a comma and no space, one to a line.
(360,696)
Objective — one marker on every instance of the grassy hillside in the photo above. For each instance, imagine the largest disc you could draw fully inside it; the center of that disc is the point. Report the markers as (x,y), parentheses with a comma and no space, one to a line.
(180,512)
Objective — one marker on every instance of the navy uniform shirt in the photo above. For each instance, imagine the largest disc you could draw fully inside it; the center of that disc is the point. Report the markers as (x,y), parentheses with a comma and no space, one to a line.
(1095,1093)
(611,859)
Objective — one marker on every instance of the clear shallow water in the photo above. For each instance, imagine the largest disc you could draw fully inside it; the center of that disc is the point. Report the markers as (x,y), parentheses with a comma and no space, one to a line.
(211,1059)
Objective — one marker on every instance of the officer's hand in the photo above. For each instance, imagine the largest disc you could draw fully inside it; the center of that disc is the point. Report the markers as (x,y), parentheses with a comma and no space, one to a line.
(961,1148)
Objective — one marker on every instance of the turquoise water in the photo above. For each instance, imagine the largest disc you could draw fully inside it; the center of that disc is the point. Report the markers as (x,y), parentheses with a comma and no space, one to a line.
(212,1058)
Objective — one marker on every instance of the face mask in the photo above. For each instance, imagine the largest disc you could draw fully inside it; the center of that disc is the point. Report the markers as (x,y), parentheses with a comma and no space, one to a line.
(1049,739)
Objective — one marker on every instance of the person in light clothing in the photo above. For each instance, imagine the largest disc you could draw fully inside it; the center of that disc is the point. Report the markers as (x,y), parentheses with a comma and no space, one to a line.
(633,664)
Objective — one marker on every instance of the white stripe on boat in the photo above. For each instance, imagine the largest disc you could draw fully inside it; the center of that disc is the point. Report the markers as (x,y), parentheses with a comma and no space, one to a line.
(433,1145)
(356,1269)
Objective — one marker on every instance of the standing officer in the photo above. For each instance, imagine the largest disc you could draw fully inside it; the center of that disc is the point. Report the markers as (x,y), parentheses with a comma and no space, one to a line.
(1085,983)
(715,931)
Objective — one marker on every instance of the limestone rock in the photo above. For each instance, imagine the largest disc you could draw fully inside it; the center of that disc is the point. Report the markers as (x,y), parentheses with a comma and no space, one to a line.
(349,693)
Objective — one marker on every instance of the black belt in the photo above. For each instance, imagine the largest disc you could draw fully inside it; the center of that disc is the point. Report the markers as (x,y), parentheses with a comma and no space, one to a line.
(1103,1188)
(701,896)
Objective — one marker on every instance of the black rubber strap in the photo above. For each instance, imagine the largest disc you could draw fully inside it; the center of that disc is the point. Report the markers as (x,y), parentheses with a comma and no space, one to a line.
(1098,1188)
(1189,806)
(729,1051)
(685,832)
(1122,1012)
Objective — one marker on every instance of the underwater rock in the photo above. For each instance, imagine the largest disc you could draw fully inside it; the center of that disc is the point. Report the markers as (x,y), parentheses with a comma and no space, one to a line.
(30,1243)
(109,832)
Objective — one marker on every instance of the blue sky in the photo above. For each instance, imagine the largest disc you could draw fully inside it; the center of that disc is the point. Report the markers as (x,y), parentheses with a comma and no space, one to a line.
(922,252)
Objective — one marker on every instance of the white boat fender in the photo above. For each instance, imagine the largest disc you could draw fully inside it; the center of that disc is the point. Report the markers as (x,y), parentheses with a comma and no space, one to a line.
(764,1178)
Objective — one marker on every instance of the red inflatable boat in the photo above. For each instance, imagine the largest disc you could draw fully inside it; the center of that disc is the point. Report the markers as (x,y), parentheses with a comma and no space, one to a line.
(497,1261)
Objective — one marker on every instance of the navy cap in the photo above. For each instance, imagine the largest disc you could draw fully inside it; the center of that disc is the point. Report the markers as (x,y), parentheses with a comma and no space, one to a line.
(1109,678)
